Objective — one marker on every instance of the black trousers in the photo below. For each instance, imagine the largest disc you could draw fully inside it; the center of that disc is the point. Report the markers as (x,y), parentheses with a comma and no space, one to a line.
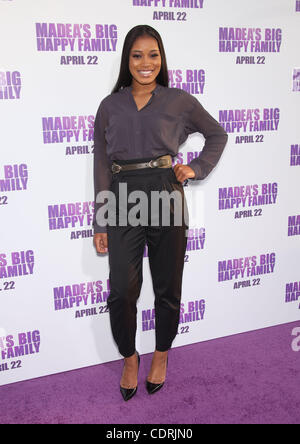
(166,251)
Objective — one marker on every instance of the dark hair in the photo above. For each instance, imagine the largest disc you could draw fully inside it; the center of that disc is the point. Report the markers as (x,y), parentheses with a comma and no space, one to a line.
(125,77)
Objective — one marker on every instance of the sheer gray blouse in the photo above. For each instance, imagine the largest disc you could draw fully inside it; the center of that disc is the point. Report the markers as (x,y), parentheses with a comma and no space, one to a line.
(122,132)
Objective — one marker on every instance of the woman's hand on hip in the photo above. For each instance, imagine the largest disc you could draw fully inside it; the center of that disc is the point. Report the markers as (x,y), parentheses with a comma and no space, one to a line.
(100,241)
(183,172)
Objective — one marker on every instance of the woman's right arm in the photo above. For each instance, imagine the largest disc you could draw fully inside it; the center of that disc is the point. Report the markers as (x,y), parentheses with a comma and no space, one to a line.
(102,175)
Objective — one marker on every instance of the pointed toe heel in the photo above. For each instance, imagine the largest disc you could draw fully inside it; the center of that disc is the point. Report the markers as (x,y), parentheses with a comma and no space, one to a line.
(129,393)
(153,388)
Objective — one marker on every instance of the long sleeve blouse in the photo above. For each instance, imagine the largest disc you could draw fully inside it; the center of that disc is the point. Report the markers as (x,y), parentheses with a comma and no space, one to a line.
(122,132)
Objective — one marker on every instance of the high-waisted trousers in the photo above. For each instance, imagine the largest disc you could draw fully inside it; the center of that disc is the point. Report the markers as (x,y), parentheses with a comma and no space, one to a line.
(166,251)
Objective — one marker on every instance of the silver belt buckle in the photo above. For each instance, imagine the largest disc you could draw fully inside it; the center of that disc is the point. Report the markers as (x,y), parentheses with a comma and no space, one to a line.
(153,163)
(116,168)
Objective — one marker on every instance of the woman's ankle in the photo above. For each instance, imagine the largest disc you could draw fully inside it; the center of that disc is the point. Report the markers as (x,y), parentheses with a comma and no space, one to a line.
(160,355)
(131,360)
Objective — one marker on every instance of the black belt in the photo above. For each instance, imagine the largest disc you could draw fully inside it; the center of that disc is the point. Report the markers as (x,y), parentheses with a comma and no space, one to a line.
(160,162)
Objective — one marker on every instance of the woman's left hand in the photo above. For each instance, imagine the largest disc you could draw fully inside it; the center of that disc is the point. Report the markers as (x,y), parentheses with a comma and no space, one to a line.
(183,172)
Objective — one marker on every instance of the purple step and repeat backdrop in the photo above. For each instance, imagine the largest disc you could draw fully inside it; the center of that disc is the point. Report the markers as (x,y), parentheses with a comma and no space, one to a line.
(59,58)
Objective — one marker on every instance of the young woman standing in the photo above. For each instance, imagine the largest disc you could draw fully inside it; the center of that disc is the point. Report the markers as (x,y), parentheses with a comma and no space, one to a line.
(138,129)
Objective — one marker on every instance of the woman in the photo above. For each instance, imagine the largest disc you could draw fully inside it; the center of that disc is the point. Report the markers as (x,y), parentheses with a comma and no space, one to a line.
(138,130)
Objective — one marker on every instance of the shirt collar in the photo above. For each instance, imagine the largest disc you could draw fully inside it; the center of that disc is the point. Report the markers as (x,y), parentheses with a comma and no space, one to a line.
(156,90)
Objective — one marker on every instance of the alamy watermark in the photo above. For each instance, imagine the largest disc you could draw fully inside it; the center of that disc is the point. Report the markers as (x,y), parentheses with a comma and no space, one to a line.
(296,341)
(164,208)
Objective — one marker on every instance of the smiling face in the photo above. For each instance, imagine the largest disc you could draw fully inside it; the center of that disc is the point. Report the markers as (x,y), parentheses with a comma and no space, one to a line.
(144,60)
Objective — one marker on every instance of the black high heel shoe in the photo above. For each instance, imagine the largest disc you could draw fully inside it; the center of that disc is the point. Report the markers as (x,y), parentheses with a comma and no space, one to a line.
(153,388)
(129,393)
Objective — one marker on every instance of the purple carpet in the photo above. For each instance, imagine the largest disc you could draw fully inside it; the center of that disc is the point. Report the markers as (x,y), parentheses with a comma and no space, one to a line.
(250,378)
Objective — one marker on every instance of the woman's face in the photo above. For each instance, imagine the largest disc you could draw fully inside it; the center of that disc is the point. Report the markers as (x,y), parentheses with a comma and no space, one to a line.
(144,60)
